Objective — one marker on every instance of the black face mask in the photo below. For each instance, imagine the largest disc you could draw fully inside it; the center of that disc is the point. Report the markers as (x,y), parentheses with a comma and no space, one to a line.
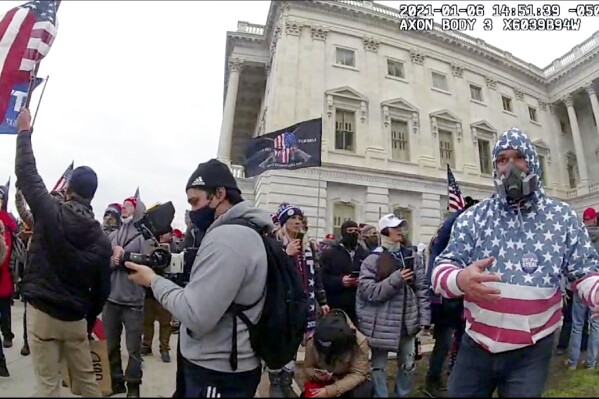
(350,240)
(202,218)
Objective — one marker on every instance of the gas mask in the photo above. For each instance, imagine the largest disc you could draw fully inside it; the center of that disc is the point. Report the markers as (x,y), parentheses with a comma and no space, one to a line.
(516,184)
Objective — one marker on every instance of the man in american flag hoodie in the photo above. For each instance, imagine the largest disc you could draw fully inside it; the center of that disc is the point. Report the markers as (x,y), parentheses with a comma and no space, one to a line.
(506,256)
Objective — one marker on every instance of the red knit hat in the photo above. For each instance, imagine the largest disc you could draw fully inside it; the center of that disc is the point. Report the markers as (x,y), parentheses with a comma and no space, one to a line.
(133,201)
(178,233)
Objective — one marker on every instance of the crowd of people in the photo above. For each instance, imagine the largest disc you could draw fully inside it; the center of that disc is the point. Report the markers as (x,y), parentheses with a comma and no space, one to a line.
(489,286)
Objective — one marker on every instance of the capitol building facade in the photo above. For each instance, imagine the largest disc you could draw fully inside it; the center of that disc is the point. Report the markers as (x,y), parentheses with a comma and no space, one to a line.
(397,107)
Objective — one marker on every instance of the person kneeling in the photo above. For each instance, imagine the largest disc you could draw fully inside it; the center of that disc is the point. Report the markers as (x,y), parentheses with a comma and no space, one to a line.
(336,362)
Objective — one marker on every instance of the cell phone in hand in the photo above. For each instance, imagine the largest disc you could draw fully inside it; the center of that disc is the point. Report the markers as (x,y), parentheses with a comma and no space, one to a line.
(355,274)
(300,235)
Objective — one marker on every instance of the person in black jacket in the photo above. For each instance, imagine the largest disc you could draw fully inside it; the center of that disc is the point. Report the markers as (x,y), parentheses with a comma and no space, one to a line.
(67,278)
(337,264)
(447,314)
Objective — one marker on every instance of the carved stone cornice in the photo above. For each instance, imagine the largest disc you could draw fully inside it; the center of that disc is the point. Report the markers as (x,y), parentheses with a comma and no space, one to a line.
(553,107)
(235,64)
(519,93)
(590,89)
(319,32)
(457,69)
(371,43)
(293,27)
(417,56)
(491,82)
(543,105)
(568,100)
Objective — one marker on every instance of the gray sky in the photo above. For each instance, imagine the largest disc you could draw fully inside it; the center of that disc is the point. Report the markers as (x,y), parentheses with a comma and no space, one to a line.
(136,90)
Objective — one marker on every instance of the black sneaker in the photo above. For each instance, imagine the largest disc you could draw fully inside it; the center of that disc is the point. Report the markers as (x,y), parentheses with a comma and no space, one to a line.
(132,390)
(118,387)
(165,356)
(25,350)
(146,350)
(432,389)
(7,343)
(3,369)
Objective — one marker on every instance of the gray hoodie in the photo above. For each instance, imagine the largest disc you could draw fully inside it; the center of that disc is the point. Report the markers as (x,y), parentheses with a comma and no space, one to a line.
(122,290)
(230,267)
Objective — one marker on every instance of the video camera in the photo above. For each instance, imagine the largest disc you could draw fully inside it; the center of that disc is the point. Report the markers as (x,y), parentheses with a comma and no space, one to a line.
(155,222)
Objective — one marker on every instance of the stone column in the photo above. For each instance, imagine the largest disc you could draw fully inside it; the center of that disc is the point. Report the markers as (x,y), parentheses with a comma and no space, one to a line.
(582,165)
(377,203)
(594,102)
(373,139)
(559,147)
(226,127)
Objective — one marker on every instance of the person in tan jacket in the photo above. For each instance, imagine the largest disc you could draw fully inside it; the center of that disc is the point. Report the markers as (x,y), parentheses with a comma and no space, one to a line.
(336,361)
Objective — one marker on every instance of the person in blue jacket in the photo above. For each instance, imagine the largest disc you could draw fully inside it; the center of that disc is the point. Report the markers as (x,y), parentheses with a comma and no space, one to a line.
(446,313)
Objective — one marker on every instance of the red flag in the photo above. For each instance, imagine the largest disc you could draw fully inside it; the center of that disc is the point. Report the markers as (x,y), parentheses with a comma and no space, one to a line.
(26,35)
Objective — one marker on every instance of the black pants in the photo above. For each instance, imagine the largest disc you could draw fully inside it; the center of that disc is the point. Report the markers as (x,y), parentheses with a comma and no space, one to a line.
(25,323)
(5,318)
(201,382)
(114,317)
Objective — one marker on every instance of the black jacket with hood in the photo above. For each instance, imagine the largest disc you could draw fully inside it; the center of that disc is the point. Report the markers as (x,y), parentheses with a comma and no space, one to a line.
(67,275)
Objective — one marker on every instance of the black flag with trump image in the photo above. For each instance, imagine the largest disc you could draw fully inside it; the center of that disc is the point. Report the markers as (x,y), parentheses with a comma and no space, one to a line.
(295,147)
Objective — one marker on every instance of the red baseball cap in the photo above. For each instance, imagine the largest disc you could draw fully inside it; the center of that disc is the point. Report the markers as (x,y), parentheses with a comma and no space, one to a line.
(589,214)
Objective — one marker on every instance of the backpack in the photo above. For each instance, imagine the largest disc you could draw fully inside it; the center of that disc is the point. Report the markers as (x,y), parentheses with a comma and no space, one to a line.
(276,337)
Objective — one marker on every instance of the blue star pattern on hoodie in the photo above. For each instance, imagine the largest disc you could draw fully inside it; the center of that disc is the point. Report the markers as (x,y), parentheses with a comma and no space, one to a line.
(534,242)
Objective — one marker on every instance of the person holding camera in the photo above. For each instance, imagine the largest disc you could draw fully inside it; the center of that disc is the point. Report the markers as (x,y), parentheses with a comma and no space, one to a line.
(392,305)
(66,281)
(125,303)
(230,267)
(154,311)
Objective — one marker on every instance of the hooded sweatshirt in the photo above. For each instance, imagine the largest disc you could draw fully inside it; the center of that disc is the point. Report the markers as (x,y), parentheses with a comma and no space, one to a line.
(534,244)
(124,291)
(230,266)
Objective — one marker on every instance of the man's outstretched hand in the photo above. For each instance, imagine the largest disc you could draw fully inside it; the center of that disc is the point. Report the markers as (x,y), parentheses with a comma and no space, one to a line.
(24,121)
(471,279)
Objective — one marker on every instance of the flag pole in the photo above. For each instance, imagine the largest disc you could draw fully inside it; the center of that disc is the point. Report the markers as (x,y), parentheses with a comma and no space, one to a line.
(40,101)
(318,204)
(34,72)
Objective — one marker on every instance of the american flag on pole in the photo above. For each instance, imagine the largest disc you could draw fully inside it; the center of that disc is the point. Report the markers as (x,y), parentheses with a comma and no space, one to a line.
(26,35)
(283,145)
(64,179)
(456,200)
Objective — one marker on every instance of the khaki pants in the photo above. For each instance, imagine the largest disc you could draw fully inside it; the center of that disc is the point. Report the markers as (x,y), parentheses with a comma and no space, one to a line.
(52,340)
(153,311)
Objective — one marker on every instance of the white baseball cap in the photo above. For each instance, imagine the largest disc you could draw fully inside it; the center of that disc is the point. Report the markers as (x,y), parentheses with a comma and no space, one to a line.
(391,221)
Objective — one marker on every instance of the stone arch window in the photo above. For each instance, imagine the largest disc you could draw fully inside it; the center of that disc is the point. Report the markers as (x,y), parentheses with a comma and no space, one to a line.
(544,160)
(400,120)
(342,211)
(572,168)
(447,128)
(347,106)
(484,136)
(406,214)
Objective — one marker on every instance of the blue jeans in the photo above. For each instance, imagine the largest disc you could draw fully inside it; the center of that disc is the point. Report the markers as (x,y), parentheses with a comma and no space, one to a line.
(515,374)
(580,313)
(405,369)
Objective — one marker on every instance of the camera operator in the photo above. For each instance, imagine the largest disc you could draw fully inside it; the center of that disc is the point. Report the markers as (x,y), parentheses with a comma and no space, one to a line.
(125,303)
(230,267)
(154,311)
